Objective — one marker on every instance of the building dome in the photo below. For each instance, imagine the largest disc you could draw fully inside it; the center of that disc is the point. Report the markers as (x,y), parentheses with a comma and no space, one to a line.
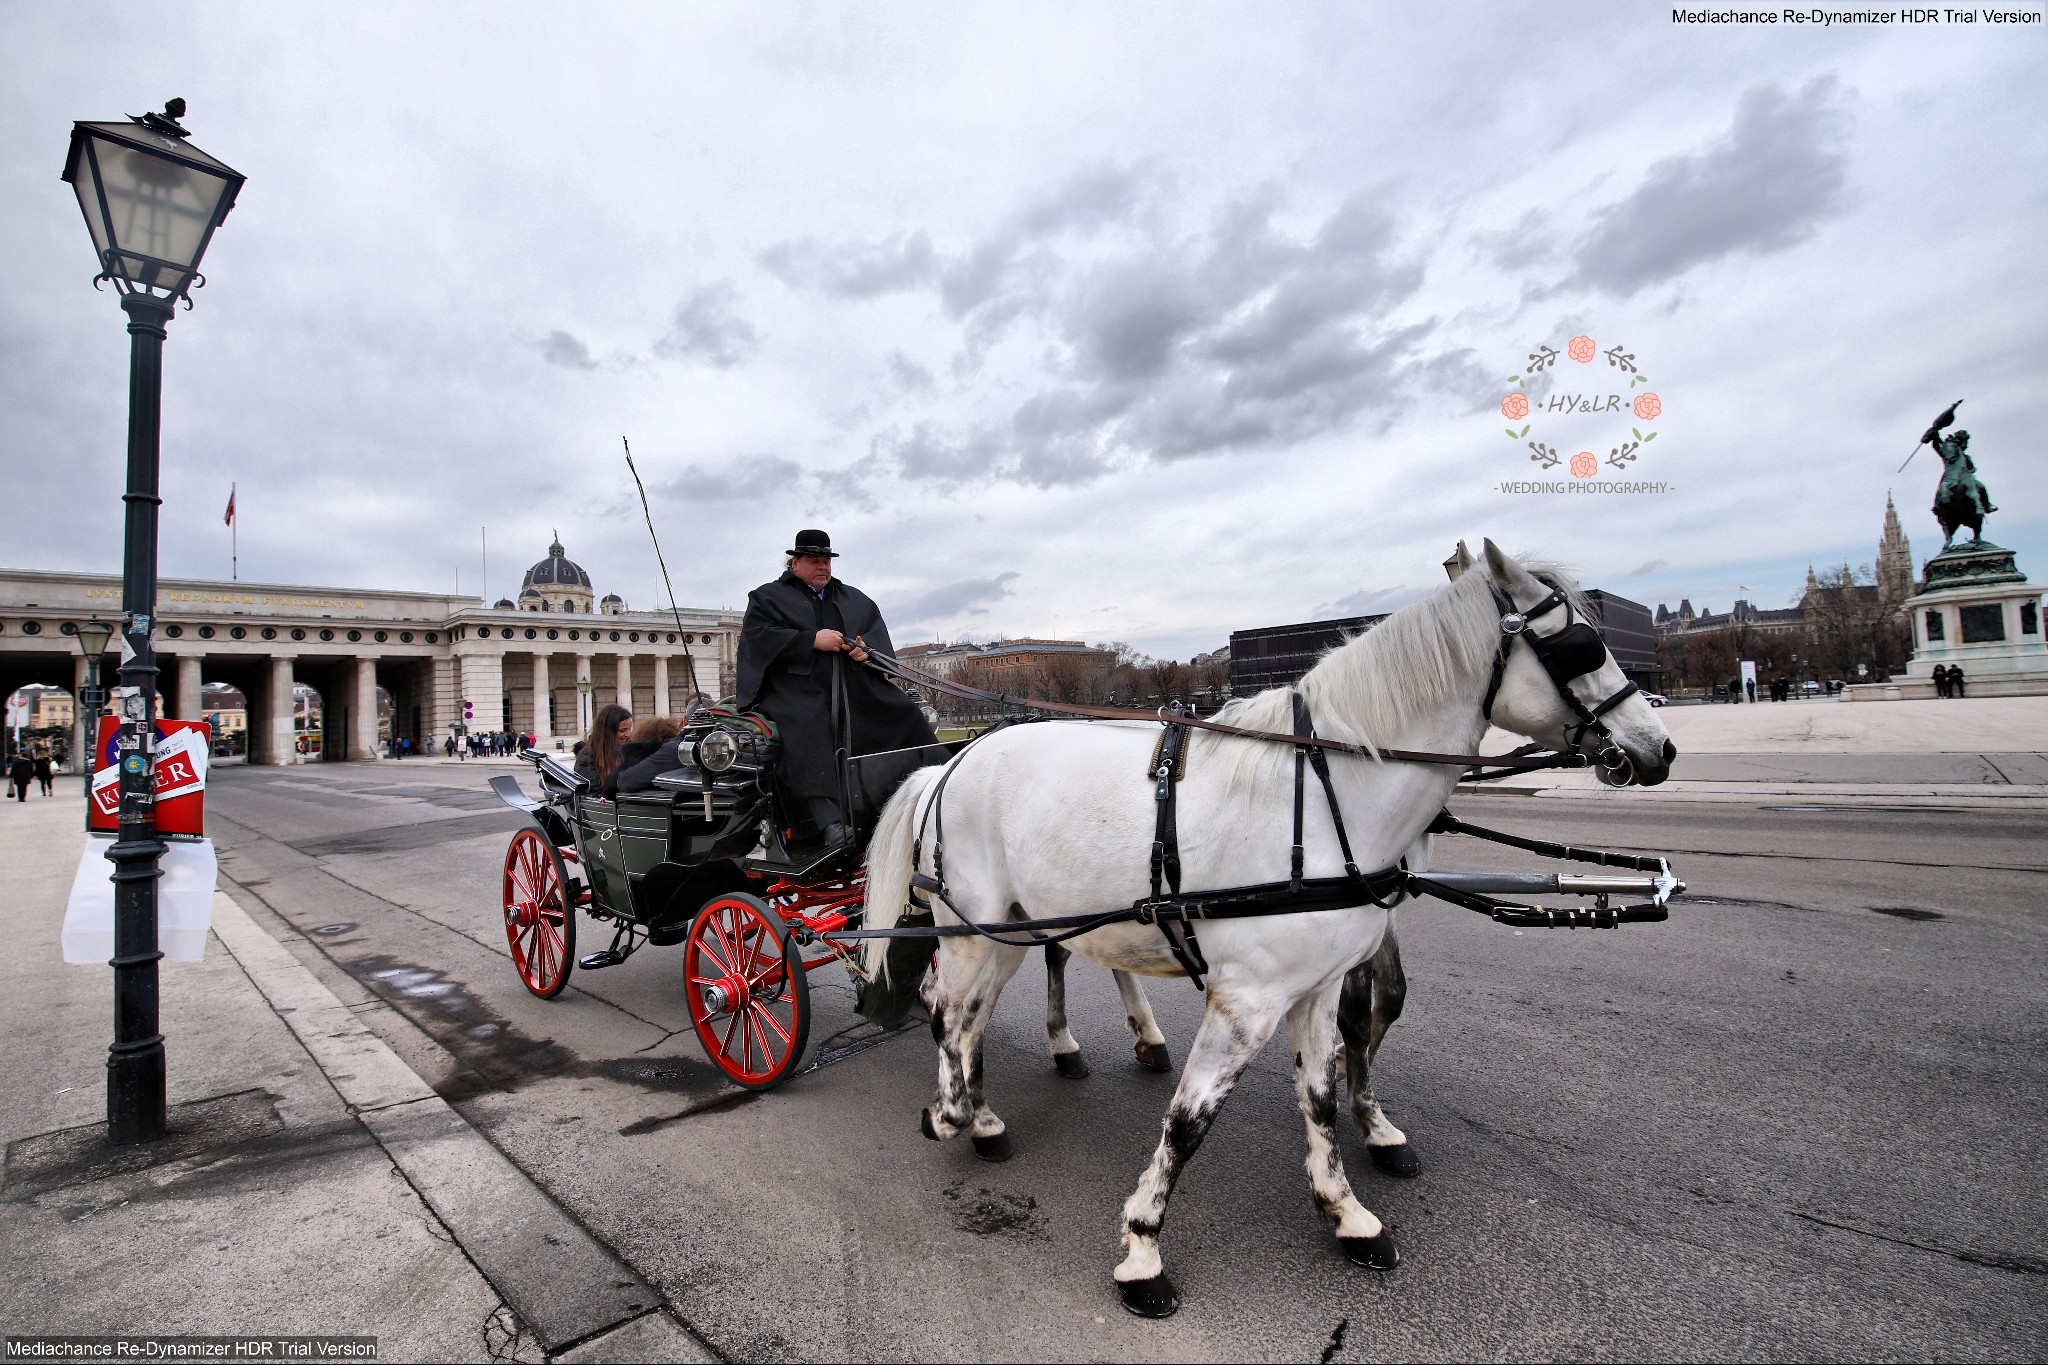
(612,604)
(557,571)
(502,604)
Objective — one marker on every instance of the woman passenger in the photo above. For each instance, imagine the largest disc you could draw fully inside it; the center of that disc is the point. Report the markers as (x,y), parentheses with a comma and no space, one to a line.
(597,755)
(650,752)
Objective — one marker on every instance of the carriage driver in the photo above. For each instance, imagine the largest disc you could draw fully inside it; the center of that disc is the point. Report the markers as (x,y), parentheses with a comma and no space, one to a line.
(795,631)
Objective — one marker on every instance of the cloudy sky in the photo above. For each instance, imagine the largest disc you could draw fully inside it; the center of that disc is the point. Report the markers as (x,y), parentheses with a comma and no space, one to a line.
(1115,321)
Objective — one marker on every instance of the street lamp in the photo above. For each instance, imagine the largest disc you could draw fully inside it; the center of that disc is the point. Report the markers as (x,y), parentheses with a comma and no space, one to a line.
(92,643)
(151,201)
(586,714)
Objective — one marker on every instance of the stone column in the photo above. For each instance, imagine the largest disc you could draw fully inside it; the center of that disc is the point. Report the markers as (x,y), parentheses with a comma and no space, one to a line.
(543,731)
(583,722)
(191,701)
(625,683)
(361,740)
(661,684)
(270,735)
(482,685)
(82,726)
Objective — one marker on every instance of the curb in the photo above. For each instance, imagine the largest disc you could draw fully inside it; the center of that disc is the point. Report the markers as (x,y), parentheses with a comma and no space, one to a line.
(578,1298)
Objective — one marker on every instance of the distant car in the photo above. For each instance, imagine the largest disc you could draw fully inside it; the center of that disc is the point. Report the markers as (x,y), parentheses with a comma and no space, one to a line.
(1655,698)
(1809,686)
(1834,685)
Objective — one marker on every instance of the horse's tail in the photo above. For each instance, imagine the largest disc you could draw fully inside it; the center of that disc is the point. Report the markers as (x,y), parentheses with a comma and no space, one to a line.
(890,867)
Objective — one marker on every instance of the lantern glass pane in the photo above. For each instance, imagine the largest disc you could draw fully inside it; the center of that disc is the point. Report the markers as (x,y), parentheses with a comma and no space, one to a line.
(88,200)
(159,212)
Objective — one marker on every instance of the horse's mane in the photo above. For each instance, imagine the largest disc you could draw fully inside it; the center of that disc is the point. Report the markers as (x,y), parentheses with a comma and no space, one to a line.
(1374,685)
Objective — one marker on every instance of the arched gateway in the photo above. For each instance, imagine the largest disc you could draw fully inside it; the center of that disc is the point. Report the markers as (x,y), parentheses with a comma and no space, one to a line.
(518,670)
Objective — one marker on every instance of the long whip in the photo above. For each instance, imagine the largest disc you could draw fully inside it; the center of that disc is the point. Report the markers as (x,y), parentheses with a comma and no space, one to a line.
(662,560)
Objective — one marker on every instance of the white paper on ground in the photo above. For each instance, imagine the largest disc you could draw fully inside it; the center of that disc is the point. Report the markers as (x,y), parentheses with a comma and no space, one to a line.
(184,902)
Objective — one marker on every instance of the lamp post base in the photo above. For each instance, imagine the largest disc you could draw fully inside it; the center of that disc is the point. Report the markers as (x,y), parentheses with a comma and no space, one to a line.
(136,1098)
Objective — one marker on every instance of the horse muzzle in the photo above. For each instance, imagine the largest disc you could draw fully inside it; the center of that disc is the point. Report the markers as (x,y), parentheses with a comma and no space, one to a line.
(1616,767)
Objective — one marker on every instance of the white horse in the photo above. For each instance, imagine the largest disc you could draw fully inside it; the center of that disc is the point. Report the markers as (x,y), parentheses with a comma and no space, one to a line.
(1051,820)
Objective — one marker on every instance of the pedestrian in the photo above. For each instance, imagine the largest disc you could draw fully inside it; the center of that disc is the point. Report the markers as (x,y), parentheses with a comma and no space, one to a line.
(1955,680)
(45,774)
(20,769)
(1749,686)
(1940,680)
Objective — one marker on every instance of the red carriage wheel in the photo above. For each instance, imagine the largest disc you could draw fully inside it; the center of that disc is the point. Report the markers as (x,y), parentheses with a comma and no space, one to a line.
(747,995)
(539,921)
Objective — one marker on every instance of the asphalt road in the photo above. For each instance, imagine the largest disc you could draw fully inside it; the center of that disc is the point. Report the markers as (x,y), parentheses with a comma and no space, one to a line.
(1805,1118)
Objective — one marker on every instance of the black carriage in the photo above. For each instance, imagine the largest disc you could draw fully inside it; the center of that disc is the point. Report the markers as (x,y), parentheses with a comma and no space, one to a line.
(707,858)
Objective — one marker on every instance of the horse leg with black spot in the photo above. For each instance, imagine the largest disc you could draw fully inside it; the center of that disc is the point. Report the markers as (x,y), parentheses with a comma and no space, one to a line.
(1151,1047)
(1367,1007)
(1066,1053)
(1311,1028)
(971,975)
(1232,1032)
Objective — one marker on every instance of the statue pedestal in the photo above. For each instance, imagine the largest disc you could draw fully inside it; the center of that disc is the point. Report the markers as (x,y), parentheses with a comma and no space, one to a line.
(1976,610)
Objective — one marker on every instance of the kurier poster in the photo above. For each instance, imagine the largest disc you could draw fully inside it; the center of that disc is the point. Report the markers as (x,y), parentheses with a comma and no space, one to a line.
(179,785)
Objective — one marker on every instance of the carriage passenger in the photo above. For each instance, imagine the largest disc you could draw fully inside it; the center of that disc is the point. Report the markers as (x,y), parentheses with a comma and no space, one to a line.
(650,752)
(597,753)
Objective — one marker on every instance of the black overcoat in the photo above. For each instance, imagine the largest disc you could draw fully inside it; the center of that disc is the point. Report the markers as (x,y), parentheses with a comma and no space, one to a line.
(782,676)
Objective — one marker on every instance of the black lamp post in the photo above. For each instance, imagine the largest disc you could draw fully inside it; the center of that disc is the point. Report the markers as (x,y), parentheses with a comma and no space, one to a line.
(92,643)
(152,201)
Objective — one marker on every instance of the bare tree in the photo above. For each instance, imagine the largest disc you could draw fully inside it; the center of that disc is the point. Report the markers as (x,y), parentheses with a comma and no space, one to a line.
(1849,623)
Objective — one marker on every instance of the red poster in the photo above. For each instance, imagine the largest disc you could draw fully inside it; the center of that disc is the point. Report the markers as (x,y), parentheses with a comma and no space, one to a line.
(180,777)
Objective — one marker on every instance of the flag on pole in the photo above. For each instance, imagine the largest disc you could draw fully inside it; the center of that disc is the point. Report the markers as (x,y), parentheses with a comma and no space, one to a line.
(229,520)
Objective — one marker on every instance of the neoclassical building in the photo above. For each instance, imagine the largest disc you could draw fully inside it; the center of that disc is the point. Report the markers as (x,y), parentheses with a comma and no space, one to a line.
(543,664)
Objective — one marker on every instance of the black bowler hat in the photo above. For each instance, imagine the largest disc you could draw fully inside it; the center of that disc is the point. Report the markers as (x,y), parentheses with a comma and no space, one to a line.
(814,543)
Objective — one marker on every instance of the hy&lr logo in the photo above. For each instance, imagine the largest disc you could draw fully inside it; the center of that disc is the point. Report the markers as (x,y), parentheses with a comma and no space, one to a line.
(1552,417)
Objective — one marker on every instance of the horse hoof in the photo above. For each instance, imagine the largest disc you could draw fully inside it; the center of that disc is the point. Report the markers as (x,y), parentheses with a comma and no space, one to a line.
(1376,1252)
(1070,1065)
(1155,1056)
(924,1125)
(1153,1298)
(994,1147)
(1398,1161)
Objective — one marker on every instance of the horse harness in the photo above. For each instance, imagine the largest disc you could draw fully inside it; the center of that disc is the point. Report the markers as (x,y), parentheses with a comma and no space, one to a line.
(1566,655)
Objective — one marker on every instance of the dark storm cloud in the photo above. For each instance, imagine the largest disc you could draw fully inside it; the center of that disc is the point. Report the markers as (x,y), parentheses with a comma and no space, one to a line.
(561,348)
(743,479)
(853,270)
(1532,240)
(928,454)
(1765,185)
(1372,601)
(954,599)
(708,328)
(908,375)
(1240,335)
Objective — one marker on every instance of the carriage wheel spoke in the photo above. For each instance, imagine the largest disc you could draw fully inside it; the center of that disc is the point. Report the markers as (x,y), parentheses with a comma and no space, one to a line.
(769,1015)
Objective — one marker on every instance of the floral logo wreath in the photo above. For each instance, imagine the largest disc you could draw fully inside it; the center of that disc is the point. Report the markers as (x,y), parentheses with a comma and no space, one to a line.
(1646,407)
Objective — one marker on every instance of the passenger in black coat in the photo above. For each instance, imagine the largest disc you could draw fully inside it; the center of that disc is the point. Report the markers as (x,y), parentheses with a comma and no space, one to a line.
(799,632)
(649,753)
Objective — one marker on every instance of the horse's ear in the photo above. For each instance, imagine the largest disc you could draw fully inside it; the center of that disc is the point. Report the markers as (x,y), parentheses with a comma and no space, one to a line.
(1509,575)
(1464,557)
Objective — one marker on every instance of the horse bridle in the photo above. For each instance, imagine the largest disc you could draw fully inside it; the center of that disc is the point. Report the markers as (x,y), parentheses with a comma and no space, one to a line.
(1575,652)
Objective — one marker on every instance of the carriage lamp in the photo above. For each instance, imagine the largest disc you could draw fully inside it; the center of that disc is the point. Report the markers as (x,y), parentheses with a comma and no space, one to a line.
(716,752)
(151,202)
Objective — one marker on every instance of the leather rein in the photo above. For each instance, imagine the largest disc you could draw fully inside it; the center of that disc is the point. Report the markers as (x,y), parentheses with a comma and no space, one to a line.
(1516,762)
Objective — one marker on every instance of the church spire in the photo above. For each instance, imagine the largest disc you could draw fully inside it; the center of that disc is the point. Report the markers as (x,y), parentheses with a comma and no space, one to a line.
(1894,557)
